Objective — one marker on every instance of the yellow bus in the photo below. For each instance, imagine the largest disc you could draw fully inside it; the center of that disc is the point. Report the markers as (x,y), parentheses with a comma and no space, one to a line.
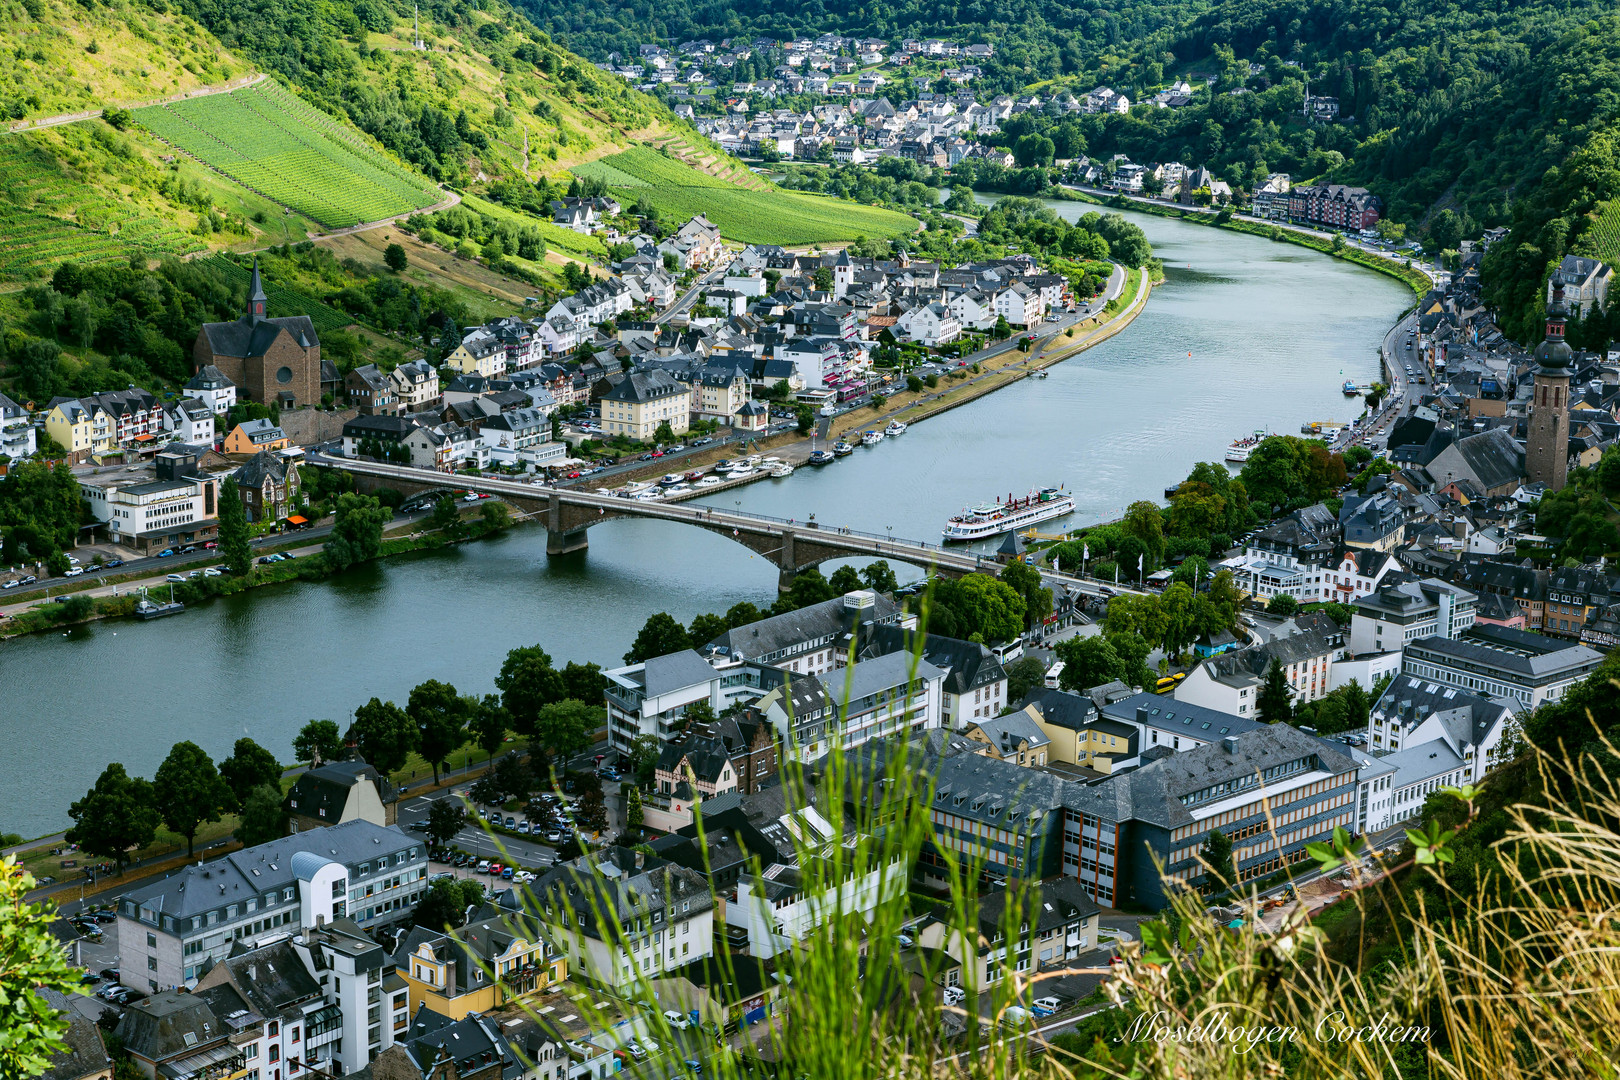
(1168,683)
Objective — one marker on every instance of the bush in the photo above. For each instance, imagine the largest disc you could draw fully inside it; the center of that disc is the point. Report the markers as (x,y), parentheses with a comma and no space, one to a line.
(933,381)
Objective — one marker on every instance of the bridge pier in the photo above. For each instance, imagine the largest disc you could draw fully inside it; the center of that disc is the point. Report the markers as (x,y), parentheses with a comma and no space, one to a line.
(564,543)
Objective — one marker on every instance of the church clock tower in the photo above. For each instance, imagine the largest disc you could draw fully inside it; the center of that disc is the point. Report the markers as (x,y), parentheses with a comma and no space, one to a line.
(1546,451)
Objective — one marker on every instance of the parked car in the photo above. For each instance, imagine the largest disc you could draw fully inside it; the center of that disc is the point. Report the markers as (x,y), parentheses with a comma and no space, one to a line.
(211,545)
(176,577)
(113,564)
(483,866)
(166,553)
(507,872)
(12,584)
(74,571)
(678,1021)
(212,571)
(511,823)
(705,441)
(1046,1006)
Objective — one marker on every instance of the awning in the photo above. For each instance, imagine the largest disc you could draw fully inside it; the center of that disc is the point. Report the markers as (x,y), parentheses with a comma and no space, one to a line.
(298,519)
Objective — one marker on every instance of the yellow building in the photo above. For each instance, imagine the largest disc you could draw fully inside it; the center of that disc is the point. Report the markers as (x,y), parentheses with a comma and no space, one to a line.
(494,959)
(480,353)
(79,431)
(1079,734)
(642,401)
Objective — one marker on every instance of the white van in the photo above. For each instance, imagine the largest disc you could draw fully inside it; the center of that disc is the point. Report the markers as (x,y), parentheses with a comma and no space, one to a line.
(953,995)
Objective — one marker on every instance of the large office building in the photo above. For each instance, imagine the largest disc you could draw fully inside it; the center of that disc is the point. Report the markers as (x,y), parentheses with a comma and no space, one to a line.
(1511,665)
(168,929)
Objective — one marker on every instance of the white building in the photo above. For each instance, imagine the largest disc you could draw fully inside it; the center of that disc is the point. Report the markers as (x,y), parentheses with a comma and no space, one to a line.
(1398,614)
(191,420)
(17,438)
(211,387)
(1414,711)
(789,902)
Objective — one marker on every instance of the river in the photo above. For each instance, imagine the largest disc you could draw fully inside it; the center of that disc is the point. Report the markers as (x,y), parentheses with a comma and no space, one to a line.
(1244,334)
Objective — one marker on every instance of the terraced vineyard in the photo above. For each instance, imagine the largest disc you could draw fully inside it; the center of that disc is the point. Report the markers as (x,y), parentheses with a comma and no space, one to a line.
(285,301)
(750,216)
(268,140)
(1602,239)
(32,244)
(46,217)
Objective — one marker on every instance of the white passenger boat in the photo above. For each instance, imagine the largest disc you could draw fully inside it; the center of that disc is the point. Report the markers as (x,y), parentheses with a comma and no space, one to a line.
(993,519)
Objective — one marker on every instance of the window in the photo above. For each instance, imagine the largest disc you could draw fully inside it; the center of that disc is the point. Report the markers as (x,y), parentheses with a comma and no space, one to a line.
(151,941)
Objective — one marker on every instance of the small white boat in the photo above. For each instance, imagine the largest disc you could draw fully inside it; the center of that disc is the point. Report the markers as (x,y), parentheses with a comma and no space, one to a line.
(871,438)
(781,469)
(670,479)
(741,473)
(895,429)
(709,481)
(676,489)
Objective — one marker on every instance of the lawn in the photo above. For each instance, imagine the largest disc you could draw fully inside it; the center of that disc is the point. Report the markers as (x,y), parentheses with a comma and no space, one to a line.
(749,216)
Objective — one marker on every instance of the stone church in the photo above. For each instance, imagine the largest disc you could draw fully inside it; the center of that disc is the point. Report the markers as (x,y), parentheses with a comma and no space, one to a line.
(269,360)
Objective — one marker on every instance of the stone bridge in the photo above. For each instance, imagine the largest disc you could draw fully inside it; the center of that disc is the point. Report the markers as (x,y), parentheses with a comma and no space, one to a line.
(568,514)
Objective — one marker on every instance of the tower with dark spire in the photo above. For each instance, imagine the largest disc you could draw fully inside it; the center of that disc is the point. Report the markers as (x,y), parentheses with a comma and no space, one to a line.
(256,298)
(1546,444)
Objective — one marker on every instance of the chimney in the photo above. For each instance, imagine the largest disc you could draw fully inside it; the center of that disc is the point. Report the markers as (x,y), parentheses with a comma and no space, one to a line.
(1230,743)
(1141,715)
(641,859)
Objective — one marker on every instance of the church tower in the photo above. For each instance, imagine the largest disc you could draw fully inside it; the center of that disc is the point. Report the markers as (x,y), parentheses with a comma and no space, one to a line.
(256,300)
(1546,449)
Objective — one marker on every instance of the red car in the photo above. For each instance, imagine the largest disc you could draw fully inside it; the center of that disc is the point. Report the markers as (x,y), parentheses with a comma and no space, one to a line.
(658,453)
(574,475)
(211,545)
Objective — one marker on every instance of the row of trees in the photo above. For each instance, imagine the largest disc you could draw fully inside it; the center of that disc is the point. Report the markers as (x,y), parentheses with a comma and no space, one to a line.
(122,813)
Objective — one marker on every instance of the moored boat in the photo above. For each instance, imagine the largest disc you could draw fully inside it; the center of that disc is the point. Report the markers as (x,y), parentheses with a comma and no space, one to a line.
(871,438)
(146,609)
(895,428)
(821,457)
(993,519)
(781,469)
(1240,449)
(842,448)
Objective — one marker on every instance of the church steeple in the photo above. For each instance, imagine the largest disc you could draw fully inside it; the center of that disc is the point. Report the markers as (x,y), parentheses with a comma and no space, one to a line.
(1546,446)
(256,298)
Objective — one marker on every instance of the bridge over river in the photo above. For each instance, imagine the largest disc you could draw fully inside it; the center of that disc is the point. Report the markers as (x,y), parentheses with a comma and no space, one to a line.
(792,546)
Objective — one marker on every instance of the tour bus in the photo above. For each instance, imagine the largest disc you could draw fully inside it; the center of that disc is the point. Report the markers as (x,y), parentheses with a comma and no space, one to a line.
(1168,683)
(1053,675)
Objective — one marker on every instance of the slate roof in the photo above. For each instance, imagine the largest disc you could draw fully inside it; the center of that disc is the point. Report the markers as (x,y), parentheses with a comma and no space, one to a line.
(1052,904)
(260,466)
(876,677)
(778,633)
(1467,718)
(1494,457)
(272,980)
(328,786)
(968,665)
(1060,708)
(473,1043)
(208,377)
(252,337)
(474,947)
(607,884)
(1006,732)
(269,866)
(1171,715)
(642,386)
(1517,652)
(174,1023)
(675,671)
(1153,792)
(86,1052)
(1416,764)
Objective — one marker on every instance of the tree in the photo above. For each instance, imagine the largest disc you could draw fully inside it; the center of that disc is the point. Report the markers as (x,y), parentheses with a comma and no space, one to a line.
(446,516)
(1275,704)
(1282,604)
(118,814)
(487,723)
(394,256)
(846,579)
(1357,706)
(357,531)
(233,530)
(1217,855)
(1023,675)
(441,721)
(318,741)
(663,433)
(1145,522)
(659,636)
(188,791)
(565,727)
(445,818)
(528,683)
(264,816)
(31,959)
(981,608)
(634,816)
(384,735)
(583,682)
(249,766)
(446,904)
(1087,662)
(1176,618)
(805,416)
(1002,329)
(879,577)
(706,627)
(642,758)
(1026,581)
